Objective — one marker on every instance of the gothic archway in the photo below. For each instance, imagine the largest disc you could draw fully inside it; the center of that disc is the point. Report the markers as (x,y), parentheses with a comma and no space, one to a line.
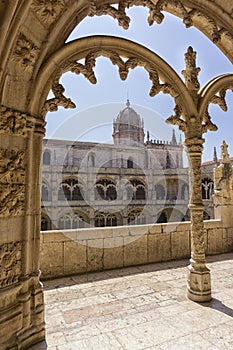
(23,54)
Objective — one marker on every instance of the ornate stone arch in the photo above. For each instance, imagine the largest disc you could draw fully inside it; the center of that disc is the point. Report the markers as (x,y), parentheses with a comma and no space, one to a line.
(26,45)
(163,77)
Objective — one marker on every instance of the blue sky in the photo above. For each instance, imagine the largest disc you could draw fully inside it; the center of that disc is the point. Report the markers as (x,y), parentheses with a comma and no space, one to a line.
(98,104)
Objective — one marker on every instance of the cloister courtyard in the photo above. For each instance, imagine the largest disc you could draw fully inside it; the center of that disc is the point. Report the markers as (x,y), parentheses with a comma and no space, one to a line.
(141,307)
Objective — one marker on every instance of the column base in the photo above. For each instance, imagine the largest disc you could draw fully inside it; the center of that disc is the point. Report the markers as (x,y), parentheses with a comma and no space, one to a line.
(199,285)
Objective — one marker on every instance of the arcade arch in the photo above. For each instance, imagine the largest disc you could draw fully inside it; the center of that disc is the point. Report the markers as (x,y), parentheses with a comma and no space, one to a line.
(27,57)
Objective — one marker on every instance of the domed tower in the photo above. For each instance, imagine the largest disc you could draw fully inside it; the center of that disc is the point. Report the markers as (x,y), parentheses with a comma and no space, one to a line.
(128,127)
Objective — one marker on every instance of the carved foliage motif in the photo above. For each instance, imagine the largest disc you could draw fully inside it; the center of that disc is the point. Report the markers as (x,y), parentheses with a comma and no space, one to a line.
(12,122)
(197,228)
(11,199)
(176,119)
(191,72)
(12,168)
(48,10)
(12,178)
(220,100)
(155,9)
(87,70)
(25,53)
(10,263)
(195,179)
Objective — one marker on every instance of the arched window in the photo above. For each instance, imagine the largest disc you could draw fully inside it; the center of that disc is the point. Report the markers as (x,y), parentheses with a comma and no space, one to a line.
(46,158)
(129,164)
(136,217)
(100,220)
(207,188)
(160,192)
(70,190)
(91,160)
(45,223)
(184,192)
(72,221)
(64,223)
(105,190)
(138,190)
(44,192)
(111,220)
(103,220)
(162,218)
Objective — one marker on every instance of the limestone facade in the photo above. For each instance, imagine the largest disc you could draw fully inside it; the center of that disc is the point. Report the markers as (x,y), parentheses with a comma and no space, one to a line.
(128,182)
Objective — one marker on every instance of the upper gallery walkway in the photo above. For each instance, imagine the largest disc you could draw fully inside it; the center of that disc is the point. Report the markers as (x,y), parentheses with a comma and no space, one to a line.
(143,307)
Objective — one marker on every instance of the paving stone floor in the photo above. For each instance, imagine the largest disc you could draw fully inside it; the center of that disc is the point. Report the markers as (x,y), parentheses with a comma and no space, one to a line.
(142,307)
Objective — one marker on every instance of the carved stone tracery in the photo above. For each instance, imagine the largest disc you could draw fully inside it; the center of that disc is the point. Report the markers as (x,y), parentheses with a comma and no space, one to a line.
(10,263)
(12,182)
(156,8)
(87,70)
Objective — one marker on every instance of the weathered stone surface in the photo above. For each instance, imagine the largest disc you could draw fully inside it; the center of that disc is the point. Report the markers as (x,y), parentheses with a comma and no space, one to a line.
(25,48)
(135,252)
(113,253)
(75,257)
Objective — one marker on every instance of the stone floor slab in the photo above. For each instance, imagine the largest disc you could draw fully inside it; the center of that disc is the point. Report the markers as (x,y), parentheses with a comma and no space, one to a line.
(139,308)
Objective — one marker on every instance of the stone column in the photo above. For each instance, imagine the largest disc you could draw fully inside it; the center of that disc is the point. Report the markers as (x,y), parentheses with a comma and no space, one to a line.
(223,188)
(21,297)
(199,287)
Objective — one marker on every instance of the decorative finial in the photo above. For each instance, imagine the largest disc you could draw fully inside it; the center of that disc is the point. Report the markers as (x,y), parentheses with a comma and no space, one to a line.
(173,142)
(127,103)
(215,158)
(224,151)
(148,136)
(191,72)
(180,141)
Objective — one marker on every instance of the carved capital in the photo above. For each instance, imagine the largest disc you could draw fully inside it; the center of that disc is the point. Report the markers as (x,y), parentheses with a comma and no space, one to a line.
(12,122)
(194,146)
(17,123)
(10,263)
(25,53)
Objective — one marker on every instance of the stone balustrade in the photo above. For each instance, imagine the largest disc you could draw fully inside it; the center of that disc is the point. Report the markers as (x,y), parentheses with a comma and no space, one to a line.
(96,249)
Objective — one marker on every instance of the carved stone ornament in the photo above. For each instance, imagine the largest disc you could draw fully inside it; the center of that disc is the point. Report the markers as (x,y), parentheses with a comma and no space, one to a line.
(198,247)
(88,72)
(224,151)
(10,263)
(12,167)
(12,178)
(12,122)
(48,10)
(25,53)
(11,199)
(191,72)
(156,8)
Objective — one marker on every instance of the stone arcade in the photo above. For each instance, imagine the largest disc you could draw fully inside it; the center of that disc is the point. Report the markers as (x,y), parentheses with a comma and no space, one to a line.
(34,55)
(128,182)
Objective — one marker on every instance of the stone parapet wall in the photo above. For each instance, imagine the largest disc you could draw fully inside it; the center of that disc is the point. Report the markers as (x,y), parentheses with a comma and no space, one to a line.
(97,249)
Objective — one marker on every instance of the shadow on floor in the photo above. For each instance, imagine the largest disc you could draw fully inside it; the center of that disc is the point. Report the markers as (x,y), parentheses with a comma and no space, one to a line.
(67,281)
(219,306)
